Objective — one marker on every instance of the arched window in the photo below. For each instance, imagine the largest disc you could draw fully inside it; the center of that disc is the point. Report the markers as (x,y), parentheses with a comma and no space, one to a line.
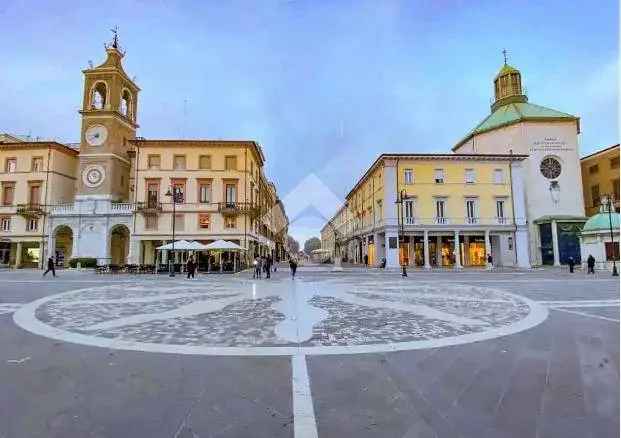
(126,104)
(98,98)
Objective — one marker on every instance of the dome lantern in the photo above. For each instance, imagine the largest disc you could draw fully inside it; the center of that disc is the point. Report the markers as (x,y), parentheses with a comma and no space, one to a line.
(508,85)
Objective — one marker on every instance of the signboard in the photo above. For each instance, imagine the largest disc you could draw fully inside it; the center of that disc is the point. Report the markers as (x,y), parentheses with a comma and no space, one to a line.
(392,242)
(550,144)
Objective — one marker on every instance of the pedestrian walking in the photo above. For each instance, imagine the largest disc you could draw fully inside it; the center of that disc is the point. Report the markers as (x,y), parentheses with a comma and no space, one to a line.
(571,263)
(590,264)
(490,264)
(50,267)
(293,265)
(257,267)
(268,267)
(366,260)
(190,267)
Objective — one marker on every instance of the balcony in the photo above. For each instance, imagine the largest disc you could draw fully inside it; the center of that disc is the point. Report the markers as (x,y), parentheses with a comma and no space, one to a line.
(472,220)
(502,220)
(410,220)
(149,208)
(440,220)
(236,208)
(30,210)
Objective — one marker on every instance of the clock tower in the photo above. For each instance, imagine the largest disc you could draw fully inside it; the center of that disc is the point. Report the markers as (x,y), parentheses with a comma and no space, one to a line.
(108,112)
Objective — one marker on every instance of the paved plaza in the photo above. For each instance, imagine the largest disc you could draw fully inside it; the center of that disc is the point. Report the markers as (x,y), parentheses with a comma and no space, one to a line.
(359,353)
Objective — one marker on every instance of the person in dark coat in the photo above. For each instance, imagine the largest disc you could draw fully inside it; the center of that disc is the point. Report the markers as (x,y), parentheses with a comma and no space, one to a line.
(190,267)
(571,263)
(590,264)
(293,266)
(268,267)
(366,260)
(490,264)
(50,267)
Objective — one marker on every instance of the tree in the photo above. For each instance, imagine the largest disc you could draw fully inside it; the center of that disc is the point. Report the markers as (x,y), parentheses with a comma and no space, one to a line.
(293,246)
(312,244)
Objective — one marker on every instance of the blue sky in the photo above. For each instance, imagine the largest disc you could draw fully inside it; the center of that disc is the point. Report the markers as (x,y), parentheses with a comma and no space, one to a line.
(324,86)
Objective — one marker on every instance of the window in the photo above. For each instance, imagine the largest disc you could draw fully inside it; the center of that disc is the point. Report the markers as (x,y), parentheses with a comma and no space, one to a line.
(469,176)
(499,177)
(230,163)
(8,192)
(615,188)
(252,168)
(179,162)
(204,162)
(408,176)
(204,192)
(612,251)
(5,223)
(408,212)
(203,220)
(10,165)
(500,210)
(32,224)
(439,176)
(153,194)
(34,194)
(231,193)
(595,195)
(179,191)
(614,163)
(150,222)
(550,168)
(37,164)
(179,222)
(471,211)
(440,210)
(230,222)
(153,161)
(593,169)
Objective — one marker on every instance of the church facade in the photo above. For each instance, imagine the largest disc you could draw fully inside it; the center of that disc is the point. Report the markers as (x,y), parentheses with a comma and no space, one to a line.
(553,184)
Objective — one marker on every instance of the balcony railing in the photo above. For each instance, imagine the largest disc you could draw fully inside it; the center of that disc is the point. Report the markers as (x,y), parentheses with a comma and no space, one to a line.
(235,208)
(441,220)
(150,207)
(30,210)
(410,220)
(472,220)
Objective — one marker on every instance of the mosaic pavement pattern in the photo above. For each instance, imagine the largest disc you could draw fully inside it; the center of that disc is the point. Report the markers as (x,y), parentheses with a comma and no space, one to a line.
(229,312)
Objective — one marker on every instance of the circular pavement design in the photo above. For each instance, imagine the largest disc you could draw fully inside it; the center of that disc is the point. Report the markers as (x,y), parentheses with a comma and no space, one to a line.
(228,316)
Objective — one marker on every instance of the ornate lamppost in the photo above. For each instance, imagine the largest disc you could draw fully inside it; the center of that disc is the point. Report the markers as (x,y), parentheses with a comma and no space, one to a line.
(608,204)
(172,193)
(402,196)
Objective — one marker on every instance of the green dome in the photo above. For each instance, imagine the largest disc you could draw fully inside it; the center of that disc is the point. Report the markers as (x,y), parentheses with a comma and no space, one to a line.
(506,69)
(600,221)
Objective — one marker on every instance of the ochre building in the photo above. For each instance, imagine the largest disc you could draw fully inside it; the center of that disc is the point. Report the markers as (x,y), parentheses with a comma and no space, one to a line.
(600,179)
(113,196)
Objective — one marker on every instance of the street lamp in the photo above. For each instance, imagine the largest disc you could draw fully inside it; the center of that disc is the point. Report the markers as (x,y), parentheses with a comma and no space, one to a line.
(402,195)
(608,204)
(172,193)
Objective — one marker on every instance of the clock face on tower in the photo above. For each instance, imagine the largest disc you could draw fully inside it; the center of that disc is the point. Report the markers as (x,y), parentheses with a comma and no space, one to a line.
(93,176)
(96,135)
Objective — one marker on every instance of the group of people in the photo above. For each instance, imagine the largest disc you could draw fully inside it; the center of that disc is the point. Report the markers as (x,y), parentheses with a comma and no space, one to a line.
(263,264)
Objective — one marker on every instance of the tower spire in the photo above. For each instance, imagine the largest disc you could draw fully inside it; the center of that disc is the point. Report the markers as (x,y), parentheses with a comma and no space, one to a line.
(504,54)
(115,38)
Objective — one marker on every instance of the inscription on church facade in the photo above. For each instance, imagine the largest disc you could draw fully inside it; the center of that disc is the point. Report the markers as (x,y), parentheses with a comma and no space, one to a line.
(550,144)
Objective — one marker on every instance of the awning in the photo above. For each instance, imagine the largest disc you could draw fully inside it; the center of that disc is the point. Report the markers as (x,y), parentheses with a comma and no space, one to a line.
(224,245)
(183,245)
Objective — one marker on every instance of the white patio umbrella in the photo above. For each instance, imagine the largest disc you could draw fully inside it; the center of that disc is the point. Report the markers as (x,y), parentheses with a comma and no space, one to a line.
(180,245)
(224,245)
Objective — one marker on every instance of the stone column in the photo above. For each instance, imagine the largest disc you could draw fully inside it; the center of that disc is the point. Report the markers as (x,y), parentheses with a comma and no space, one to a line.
(42,259)
(466,260)
(557,259)
(457,252)
(438,250)
(488,249)
(426,248)
(133,255)
(18,255)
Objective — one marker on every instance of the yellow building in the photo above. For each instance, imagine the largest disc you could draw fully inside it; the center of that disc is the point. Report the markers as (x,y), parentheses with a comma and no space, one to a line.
(221,193)
(600,177)
(411,209)
(33,175)
(106,198)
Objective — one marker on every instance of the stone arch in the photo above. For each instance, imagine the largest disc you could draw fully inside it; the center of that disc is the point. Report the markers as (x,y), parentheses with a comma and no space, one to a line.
(119,244)
(99,96)
(63,244)
(126,105)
